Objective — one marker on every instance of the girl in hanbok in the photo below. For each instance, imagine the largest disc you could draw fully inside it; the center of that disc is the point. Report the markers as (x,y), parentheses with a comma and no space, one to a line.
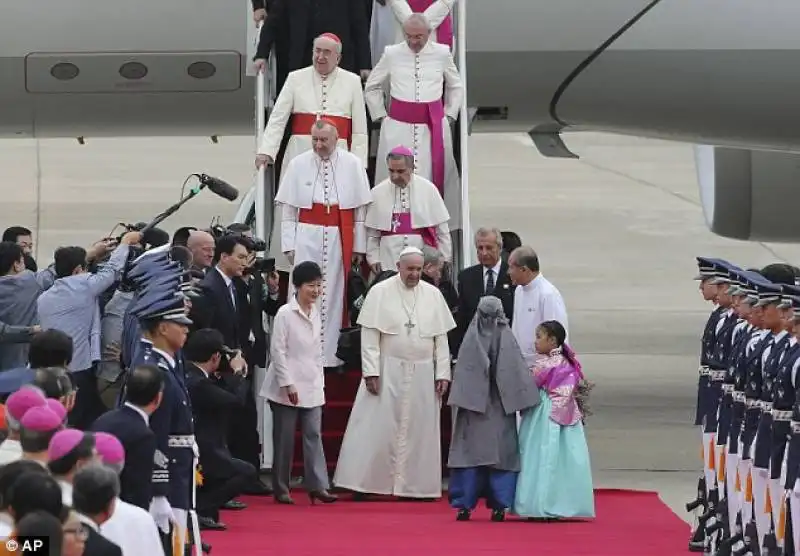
(555,479)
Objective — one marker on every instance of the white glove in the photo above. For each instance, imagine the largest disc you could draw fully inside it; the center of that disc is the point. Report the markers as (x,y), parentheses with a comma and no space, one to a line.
(796,489)
(195,450)
(161,512)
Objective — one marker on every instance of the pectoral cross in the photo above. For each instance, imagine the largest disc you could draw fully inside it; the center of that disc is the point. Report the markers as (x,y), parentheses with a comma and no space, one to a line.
(409,325)
(395,223)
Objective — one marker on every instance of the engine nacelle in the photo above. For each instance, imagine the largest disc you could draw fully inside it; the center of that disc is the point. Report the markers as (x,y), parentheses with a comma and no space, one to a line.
(750,195)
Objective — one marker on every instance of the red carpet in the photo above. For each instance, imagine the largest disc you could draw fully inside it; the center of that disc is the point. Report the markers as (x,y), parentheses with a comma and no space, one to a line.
(628,524)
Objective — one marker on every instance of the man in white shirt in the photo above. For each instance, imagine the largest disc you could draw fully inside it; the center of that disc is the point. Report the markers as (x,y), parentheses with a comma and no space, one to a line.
(536,300)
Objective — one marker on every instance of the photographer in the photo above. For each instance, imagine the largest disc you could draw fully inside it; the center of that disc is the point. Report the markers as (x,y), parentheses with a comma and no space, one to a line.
(216,379)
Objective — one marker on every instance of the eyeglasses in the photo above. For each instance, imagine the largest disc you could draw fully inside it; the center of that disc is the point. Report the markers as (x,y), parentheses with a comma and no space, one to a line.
(80,531)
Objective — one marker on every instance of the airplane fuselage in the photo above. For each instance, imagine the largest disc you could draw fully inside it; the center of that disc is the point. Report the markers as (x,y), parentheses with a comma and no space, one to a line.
(717,71)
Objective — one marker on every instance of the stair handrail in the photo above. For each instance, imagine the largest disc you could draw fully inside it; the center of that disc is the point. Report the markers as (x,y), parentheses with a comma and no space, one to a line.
(460,46)
(264,185)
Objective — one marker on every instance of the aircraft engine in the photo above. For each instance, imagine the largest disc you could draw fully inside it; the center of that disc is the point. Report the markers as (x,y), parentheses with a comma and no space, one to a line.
(750,195)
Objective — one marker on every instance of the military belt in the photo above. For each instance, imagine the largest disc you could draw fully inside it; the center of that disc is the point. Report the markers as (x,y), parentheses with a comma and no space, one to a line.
(704,371)
(181,441)
(738,396)
(766,406)
(717,375)
(752,404)
(795,427)
(780,415)
(728,389)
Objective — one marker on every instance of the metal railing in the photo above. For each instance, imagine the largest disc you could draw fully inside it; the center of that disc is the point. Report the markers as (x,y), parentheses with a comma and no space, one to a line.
(265,181)
(460,48)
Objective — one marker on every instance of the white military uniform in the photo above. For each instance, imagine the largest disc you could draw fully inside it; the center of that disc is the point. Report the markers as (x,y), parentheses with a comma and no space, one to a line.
(313,196)
(386,27)
(392,444)
(305,96)
(400,217)
(416,82)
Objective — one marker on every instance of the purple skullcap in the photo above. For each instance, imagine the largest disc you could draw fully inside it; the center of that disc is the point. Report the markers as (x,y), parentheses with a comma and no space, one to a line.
(58,408)
(402,151)
(63,442)
(109,448)
(22,400)
(41,419)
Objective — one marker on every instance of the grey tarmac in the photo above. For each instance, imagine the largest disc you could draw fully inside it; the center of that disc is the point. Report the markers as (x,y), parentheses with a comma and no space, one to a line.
(616,231)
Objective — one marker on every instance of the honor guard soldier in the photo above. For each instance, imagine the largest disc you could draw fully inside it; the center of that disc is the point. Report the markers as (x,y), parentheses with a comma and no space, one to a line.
(708,288)
(783,399)
(161,312)
(757,432)
(792,462)
(742,296)
(717,420)
(721,372)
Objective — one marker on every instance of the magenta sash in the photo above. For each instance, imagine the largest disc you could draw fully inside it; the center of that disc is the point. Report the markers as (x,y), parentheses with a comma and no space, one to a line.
(401,226)
(444,33)
(430,114)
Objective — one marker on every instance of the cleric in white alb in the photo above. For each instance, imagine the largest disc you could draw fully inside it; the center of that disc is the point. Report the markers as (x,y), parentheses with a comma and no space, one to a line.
(406,210)
(323,198)
(388,17)
(320,90)
(392,444)
(418,71)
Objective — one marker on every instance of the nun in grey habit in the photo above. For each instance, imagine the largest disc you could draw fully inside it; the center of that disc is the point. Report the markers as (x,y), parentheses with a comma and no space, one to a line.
(491,383)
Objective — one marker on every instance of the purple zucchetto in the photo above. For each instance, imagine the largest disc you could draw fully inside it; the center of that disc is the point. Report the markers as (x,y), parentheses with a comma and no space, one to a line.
(402,151)
(58,408)
(23,400)
(63,442)
(109,448)
(41,419)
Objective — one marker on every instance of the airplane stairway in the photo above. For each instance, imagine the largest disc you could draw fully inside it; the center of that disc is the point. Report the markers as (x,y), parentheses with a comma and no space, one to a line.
(341,387)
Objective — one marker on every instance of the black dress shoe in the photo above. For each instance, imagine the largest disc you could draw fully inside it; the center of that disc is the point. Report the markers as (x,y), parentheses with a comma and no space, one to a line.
(234,505)
(208,524)
(498,515)
(463,515)
(206,548)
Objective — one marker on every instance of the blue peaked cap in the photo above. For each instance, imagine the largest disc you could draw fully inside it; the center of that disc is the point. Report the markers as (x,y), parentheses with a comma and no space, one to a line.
(159,295)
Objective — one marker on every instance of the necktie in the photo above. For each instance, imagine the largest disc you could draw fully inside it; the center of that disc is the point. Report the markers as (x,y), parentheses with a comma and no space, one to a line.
(232,289)
(489,282)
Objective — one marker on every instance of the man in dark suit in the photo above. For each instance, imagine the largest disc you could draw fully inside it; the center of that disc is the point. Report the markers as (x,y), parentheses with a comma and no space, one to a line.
(223,305)
(217,391)
(292,26)
(129,423)
(488,277)
(95,487)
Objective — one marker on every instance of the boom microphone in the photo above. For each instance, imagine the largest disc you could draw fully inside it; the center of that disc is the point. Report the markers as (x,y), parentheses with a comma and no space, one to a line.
(219,187)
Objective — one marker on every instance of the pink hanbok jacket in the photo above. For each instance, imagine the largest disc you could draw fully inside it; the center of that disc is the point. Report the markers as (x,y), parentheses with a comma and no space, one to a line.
(558,373)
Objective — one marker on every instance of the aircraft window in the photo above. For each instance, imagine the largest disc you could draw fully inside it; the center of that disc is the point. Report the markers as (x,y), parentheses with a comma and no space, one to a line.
(133,70)
(201,70)
(64,71)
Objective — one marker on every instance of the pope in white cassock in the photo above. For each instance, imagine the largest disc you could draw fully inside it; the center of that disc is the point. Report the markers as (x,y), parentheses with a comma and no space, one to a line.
(392,444)
(323,198)
(406,210)
(417,71)
(320,90)
(388,16)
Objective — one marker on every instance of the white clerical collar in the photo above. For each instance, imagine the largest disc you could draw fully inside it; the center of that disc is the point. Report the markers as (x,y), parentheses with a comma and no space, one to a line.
(140,411)
(170,359)
(225,277)
(325,77)
(530,286)
(331,159)
(66,492)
